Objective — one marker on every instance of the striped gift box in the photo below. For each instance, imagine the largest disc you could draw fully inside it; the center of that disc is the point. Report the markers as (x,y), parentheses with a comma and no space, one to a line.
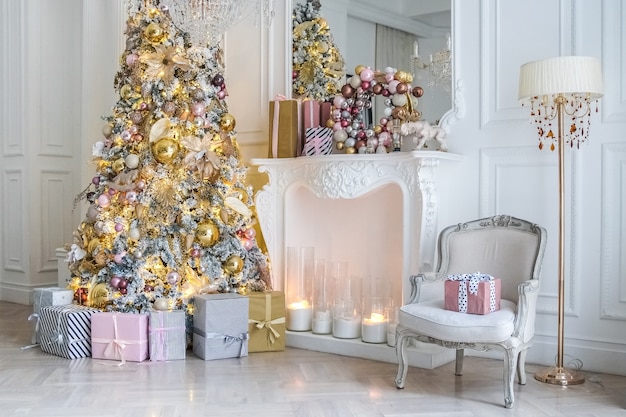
(65,331)
(318,141)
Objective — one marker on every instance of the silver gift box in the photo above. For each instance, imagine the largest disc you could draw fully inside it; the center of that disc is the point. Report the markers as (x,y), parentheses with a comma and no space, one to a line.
(167,335)
(49,296)
(220,326)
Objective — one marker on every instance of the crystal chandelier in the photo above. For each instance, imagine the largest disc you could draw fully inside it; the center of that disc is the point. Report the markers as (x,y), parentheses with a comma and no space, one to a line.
(438,67)
(206,21)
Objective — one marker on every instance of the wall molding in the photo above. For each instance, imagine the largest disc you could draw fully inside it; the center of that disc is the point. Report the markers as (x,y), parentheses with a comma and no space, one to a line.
(613,246)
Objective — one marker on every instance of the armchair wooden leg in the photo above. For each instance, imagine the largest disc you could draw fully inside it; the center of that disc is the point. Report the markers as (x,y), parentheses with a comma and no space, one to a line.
(401,342)
(521,367)
(460,354)
(510,363)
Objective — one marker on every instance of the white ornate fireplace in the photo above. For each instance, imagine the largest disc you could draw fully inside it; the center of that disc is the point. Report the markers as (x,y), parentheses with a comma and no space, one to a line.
(376,211)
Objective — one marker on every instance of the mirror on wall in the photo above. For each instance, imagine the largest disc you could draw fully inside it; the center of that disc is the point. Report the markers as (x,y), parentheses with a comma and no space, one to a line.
(407,35)
(405,40)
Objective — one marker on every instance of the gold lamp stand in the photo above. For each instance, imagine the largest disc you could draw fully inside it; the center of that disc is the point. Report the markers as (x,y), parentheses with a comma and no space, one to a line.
(560,375)
(560,86)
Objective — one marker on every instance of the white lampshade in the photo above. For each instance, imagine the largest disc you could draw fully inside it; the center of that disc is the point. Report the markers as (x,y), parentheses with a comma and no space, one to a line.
(561,75)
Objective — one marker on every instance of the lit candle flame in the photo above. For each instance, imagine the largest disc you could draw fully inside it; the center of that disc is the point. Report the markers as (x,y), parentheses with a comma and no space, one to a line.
(298,305)
(375,318)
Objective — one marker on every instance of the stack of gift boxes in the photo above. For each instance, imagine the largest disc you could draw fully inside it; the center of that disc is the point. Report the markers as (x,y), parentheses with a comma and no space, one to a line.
(299,128)
(224,326)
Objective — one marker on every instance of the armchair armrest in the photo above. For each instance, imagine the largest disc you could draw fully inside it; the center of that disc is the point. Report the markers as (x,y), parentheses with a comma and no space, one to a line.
(526,309)
(425,286)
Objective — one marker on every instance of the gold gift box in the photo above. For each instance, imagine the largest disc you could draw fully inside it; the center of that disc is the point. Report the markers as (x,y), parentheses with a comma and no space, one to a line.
(266,325)
(283,129)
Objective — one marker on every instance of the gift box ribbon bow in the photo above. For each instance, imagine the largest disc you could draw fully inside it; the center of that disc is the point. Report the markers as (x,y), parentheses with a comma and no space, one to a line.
(471,281)
(227,338)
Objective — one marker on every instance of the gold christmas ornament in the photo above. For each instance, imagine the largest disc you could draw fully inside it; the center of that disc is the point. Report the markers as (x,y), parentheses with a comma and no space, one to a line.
(118,165)
(154,33)
(126,91)
(350,150)
(165,150)
(227,122)
(323,23)
(403,77)
(358,69)
(207,233)
(98,296)
(233,264)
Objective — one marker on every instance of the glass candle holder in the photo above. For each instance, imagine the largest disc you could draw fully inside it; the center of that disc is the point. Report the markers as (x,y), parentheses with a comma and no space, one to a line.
(347,307)
(375,311)
(322,298)
(300,272)
(391,326)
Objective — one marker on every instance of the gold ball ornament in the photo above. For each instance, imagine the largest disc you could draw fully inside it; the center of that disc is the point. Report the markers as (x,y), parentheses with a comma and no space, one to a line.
(350,150)
(378,129)
(165,150)
(118,165)
(339,145)
(154,33)
(358,69)
(322,47)
(207,233)
(241,194)
(228,122)
(403,77)
(126,91)
(233,264)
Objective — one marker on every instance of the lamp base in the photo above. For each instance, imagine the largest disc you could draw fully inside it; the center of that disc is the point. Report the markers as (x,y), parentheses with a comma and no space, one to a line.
(560,376)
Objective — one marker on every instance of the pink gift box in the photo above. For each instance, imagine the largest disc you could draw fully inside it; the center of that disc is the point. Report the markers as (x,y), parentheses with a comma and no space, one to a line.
(119,336)
(325,111)
(310,114)
(479,303)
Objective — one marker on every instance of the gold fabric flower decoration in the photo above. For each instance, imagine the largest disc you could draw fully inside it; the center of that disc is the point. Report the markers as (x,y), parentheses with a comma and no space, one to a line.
(163,63)
(200,156)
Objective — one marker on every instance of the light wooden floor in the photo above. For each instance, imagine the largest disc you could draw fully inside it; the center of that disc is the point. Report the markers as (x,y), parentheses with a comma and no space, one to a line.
(274,384)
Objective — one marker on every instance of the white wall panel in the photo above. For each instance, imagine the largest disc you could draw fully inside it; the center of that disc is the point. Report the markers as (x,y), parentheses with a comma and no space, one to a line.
(614,61)
(503,25)
(13,219)
(12,51)
(58,89)
(613,271)
(56,216)
(246,74)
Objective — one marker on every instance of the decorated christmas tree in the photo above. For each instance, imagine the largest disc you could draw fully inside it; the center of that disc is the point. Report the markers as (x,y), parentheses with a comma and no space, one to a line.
(169,213)
(318,66)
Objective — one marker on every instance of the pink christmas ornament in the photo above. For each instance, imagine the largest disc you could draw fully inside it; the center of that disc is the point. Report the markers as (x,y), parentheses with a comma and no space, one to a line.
(104,200)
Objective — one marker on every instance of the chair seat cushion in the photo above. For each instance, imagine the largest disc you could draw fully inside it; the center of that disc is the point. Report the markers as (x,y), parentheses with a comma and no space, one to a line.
(431,319)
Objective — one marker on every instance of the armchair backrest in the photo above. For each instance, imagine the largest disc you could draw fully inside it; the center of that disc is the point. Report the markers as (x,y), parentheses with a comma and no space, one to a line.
(505,247)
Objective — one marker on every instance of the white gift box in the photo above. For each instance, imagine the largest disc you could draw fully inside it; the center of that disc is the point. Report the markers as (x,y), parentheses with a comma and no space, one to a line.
(50,296)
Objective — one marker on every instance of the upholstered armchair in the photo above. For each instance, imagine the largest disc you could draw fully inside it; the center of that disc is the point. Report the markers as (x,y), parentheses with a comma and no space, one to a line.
(501,246)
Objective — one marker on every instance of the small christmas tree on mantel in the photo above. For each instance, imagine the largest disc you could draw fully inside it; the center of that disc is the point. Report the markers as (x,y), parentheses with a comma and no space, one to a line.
(169,213)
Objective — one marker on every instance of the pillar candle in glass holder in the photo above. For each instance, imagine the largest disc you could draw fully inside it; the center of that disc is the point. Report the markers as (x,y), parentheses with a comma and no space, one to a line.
(374,329)
(347,308)
(376,301)
(299,315)
(322,299)
(300,272)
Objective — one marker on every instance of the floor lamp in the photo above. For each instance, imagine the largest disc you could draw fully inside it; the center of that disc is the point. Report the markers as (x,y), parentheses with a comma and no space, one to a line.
(559,88)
